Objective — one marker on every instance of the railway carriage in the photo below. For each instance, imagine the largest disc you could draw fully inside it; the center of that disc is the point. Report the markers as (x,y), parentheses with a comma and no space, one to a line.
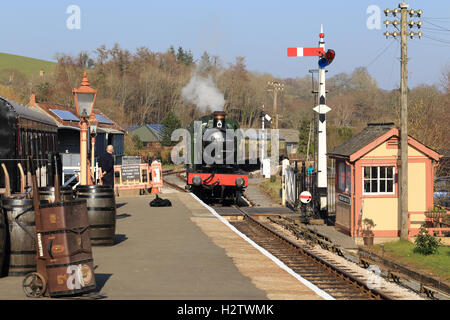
(24,132)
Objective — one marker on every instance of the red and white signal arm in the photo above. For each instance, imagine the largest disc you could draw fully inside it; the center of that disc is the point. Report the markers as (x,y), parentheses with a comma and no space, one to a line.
(305,197)
(156,169)
(305,52)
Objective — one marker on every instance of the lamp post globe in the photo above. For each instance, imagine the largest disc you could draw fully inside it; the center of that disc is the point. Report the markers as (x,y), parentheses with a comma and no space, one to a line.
(93,125)
(84,98)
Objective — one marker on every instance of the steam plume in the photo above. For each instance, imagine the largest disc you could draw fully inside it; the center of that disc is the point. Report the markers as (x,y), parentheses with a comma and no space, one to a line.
(203,93)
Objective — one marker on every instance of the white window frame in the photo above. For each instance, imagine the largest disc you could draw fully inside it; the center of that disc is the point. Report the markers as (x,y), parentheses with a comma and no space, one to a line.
(378,193)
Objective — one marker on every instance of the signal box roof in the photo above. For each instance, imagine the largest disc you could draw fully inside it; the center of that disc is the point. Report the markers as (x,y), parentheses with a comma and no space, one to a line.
(371,137)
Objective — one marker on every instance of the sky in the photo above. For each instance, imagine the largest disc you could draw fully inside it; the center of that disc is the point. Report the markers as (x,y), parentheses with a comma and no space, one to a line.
(261,31)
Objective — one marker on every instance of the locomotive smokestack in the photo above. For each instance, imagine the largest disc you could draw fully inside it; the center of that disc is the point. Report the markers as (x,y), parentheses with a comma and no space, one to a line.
(219,119)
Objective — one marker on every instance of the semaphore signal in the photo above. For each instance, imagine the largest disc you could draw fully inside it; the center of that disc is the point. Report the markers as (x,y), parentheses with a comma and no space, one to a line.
(325,59)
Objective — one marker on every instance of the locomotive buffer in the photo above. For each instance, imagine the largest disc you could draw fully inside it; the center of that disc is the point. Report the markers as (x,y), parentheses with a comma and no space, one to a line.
(325,58)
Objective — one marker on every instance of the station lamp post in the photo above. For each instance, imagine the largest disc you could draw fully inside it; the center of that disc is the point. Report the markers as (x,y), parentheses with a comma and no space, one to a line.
(84,101)
(93,123)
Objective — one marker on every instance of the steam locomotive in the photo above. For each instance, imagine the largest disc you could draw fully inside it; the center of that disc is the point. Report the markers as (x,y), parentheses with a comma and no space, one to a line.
(217,177)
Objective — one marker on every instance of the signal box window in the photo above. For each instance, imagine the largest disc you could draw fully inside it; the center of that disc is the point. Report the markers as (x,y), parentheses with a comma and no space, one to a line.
(378,180)
(344,178)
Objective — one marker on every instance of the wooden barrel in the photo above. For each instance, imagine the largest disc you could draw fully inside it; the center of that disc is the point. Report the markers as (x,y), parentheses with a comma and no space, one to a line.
(48,193)
(101,207)
(20,256)
(2,241)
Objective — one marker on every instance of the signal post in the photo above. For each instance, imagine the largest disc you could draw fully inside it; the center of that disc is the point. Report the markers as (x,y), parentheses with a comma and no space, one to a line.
(325,58)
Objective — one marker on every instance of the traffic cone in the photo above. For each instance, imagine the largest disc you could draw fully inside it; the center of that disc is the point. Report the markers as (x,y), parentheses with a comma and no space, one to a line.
(155,190)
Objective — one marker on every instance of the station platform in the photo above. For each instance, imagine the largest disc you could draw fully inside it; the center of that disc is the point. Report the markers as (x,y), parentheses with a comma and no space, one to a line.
(334,236)
(181,252)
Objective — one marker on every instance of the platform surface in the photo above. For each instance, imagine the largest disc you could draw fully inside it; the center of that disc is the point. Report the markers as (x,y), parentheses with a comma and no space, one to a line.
(334,236)
(180,252)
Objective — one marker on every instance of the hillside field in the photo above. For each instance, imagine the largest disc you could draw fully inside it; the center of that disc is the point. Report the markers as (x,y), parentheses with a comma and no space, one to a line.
(28,66)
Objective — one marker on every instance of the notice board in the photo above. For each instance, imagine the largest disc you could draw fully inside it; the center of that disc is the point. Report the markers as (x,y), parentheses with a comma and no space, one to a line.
(130,172)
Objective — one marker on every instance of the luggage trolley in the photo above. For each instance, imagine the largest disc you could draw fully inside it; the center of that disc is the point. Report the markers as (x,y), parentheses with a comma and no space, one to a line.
(63,250)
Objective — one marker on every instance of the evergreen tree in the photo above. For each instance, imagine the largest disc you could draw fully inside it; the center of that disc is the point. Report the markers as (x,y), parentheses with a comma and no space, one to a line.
(171,123)
(205,64)
(304,137)
(180,54)
(185,56)
(138,144)
(172,50)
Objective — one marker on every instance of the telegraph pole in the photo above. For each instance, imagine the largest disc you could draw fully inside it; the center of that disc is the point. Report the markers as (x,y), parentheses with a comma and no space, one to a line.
(275,86)
(404,24)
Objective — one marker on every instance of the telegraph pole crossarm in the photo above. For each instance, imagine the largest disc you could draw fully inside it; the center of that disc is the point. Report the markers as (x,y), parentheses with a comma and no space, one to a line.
(275,87)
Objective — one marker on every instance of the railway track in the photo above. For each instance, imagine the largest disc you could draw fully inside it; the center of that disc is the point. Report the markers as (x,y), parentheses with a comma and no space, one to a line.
(171,184)
(337,280)
(413,282)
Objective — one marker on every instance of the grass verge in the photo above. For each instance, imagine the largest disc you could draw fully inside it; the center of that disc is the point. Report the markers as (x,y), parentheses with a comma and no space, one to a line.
(272,189)
(436,265)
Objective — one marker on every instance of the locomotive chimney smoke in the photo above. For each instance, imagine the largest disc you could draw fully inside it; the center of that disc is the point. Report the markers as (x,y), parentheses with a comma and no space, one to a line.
(203,93)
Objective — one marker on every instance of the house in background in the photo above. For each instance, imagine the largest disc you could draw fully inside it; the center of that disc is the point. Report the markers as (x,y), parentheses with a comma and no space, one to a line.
(150,135)
(68,123)
(291,137)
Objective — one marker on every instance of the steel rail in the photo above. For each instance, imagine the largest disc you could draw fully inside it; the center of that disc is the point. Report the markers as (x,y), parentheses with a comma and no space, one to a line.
(371,292)
(392,271)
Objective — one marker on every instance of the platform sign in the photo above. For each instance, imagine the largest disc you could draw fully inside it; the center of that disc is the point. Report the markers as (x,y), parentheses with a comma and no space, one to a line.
(131,160)
(131,172)
(344,199)
(305,197)
(156,169)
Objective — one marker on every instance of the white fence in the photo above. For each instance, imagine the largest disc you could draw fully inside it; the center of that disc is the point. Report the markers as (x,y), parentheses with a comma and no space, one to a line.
(291,185)
(288,184)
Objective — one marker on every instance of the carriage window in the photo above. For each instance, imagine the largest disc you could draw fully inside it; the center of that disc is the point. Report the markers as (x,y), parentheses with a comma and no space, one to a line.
(24,144)
(30,141)
(378,180)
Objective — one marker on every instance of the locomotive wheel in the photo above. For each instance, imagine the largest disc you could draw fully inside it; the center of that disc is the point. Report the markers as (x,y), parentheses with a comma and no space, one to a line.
(34,285)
